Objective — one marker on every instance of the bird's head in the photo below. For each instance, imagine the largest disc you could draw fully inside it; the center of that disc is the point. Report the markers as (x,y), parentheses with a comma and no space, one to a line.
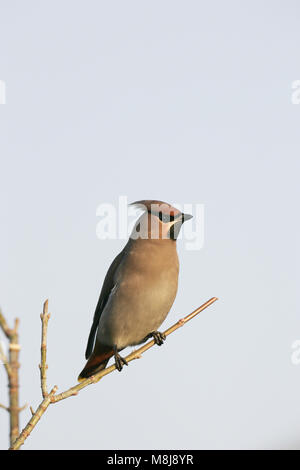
(159,221)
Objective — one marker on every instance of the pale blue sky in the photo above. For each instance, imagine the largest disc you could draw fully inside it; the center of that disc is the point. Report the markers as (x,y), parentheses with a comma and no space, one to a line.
(181,101)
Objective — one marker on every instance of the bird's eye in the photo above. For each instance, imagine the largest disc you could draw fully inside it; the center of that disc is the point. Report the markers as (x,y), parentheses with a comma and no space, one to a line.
(165,217)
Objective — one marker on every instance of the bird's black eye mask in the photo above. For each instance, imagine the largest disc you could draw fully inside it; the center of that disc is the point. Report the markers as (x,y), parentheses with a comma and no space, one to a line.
(165,217)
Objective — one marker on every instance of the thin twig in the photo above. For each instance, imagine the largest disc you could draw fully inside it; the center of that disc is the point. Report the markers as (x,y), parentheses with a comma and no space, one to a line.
(4,407)
(4,360)
(53,398)
(43,365)
(4,326)
(22,408)
(12,365)
(14,350)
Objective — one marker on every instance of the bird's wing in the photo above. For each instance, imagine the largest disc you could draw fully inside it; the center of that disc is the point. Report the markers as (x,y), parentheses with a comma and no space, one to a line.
(108,285)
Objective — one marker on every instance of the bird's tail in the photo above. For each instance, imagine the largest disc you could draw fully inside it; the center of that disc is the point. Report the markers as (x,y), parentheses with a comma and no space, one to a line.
(97,361)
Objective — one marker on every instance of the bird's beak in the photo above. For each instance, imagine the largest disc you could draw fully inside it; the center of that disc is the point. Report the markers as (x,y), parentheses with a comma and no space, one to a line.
(186,217)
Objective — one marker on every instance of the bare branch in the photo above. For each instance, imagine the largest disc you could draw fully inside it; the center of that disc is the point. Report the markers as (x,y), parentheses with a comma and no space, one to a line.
(53,398)
(12,365)
(43,366)
(137,354)
(14,350)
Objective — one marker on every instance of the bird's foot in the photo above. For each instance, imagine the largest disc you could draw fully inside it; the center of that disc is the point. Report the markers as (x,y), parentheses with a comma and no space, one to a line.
(120,361)
(158,337)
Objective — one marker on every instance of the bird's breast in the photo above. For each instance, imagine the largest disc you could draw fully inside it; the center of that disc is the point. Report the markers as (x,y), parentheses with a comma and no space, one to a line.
(146,289)
(150,277)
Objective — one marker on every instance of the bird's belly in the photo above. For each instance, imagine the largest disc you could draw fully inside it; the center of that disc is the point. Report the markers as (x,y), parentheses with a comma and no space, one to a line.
(136,309)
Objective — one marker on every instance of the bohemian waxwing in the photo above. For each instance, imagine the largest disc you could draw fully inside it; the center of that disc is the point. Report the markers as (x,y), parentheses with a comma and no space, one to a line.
(139,288)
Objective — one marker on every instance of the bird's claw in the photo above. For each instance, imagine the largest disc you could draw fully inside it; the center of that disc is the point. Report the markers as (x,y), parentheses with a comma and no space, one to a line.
(158,337)
(120,361)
